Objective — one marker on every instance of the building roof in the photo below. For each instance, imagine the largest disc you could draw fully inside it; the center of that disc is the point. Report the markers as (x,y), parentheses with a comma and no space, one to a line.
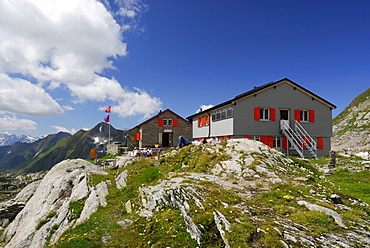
(159,114)
(256,90)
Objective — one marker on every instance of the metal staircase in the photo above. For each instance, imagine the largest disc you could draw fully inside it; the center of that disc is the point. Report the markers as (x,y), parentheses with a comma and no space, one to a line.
(300,140)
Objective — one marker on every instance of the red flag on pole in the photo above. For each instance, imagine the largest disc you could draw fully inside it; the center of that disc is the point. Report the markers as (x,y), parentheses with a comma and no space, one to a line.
(106,119)
(107,110)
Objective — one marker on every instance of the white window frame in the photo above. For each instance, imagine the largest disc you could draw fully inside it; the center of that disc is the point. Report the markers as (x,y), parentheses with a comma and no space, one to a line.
(277,141)
(222,114)
(264,114)
(304,115)
(167,122)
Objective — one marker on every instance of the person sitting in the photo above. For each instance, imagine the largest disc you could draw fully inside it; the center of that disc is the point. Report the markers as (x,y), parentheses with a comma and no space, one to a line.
(136,152)
(149,152)
(145,152)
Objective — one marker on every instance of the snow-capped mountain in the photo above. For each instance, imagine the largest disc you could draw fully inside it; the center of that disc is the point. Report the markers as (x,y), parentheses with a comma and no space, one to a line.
(7,139)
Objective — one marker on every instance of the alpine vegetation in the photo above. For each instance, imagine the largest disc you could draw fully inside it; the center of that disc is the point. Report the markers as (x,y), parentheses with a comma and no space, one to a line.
(235,193)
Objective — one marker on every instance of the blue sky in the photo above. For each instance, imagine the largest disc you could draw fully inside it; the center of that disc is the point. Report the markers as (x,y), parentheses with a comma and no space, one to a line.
(63,62)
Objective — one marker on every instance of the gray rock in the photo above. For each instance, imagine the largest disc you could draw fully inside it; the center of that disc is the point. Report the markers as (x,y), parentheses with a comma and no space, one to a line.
(121,179)
(336,199)
(64,183)
(222,224)
(327,211)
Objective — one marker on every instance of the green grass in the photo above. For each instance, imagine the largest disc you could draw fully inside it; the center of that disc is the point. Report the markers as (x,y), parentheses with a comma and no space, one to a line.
(355,184)
(42,222)
(166,228)
(75,208)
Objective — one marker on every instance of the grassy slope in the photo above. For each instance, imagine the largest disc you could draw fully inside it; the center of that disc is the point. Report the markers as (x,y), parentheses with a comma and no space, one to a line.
(166,228)
(365,96)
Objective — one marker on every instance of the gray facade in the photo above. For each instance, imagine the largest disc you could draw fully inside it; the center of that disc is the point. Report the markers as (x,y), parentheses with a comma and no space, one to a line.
(161,130)
(256,114)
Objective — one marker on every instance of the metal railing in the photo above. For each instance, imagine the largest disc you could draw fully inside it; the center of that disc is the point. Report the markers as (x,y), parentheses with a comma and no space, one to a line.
(299,138)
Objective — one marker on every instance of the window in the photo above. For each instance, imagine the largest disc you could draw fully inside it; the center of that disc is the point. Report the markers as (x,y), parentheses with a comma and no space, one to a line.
(264,114)
(230,113)
(304,115)
(277,142)
(167,122)
(256,138)
(223,114)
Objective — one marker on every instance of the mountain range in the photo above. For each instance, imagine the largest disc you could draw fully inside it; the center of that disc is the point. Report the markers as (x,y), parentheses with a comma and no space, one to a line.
(44,153)
(9,139)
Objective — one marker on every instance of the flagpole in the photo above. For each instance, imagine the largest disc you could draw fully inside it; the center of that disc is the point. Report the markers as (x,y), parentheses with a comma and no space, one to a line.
(109,125)
(109,135)
(107,119)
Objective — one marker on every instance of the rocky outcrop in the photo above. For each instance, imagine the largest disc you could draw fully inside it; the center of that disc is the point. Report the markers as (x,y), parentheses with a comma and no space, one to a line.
(49,205)
(11,184)
(252,168)
(351,128)
(252,196)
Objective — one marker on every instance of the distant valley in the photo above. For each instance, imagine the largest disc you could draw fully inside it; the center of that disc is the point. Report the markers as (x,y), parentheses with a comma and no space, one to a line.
(44,153)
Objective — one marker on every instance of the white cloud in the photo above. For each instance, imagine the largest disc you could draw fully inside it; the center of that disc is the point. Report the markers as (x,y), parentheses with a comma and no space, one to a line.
(65,44)
(126,12)
(137,103)
(22,97)
(14,123)
(68,107)
(204,107)
(63,129)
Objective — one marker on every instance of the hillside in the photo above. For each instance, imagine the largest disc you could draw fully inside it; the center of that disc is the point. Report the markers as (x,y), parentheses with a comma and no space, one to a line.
(45,153)
(238,193)
(351,128)
(75,146)
(17,156)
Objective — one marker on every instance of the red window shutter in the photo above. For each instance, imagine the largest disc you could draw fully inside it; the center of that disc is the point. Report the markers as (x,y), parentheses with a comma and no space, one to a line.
(257,114)
(137,136)
(270,141)
(264,139)
(207,119)
(199,122)
(312,115)
(285,142)
(272,114)
(175,123)
(160,122)
(203,121)
(222,138)
(297,115)
(227,137)
(247,136)
(320,143)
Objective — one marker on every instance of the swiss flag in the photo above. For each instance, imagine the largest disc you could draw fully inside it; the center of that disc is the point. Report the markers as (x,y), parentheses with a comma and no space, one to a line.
(107,110)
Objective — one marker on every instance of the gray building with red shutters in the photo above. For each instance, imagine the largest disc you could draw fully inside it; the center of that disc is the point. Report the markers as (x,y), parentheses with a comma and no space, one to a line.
(282,115)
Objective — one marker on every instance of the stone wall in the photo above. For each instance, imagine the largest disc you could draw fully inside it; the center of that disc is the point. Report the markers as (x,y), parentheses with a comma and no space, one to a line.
(151,134)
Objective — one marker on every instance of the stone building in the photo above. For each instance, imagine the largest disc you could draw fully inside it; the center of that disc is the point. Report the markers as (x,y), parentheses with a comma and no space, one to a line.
(161,130)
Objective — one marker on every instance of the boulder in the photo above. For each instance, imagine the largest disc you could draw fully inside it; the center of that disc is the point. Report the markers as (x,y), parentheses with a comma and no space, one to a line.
(64,183)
